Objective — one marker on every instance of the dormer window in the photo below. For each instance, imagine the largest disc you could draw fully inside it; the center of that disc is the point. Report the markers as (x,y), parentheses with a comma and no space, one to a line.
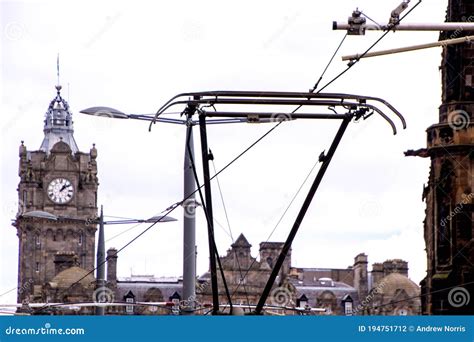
(347,304)
(175,298)
(129,298)
(302,302)
(129,308)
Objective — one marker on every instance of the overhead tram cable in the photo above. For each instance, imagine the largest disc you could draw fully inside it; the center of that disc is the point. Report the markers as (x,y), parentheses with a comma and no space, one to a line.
(242,276)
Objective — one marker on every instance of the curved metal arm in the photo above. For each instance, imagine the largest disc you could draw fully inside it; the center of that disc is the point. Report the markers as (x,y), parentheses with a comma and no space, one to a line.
(280,98)
(394,128)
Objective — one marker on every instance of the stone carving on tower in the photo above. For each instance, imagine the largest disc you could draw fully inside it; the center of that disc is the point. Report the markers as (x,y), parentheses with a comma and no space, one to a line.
(56,218)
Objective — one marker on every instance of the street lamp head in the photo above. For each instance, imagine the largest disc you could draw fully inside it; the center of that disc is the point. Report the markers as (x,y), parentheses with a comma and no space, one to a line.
(160,218)
(105,112)
(40,214)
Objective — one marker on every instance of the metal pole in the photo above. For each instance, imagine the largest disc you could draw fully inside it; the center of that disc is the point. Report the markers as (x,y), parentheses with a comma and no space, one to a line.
(410,48)
(100,310)
(307,202)
(210,220)
(449,26)
(189,226)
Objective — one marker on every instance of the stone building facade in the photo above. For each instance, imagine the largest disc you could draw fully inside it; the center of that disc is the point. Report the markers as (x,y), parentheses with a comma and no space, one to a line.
(57,206)
(386,290)
(246,276)
(449,194)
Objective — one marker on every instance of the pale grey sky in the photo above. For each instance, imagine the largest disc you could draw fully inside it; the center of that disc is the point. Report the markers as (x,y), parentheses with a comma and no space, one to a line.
(135,55)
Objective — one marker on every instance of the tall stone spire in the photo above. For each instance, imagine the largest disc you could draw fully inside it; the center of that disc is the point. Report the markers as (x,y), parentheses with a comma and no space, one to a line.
(448,288)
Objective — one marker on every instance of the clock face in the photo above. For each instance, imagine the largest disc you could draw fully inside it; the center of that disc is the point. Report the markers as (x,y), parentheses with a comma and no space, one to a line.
(60,190)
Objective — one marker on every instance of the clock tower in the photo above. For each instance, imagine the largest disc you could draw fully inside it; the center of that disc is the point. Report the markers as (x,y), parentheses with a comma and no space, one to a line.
(56,219)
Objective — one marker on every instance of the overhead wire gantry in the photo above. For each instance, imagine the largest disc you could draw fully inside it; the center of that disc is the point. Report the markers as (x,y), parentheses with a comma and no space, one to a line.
(357,26)
(260,104)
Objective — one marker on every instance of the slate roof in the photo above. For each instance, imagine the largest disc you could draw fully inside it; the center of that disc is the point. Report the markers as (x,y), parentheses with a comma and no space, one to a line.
(139,286)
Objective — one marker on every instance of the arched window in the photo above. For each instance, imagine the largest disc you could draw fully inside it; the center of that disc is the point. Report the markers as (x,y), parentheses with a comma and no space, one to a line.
(23,202)
(327,300)
(444,207)
(153,294)
(80,239)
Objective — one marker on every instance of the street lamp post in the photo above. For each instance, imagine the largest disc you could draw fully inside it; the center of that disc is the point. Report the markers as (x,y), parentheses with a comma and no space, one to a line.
(189,226)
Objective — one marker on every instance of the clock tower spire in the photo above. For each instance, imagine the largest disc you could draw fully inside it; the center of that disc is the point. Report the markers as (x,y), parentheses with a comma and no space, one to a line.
(58,124)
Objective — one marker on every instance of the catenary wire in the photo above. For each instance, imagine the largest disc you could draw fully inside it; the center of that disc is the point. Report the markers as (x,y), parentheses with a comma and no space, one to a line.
(372,20)
(329,63)
(231,235)
(282,216)
(125,231)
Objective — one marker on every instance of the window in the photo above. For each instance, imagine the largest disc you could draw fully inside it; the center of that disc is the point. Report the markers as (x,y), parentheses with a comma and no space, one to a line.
(81,238)
(129,298)
(348,308)
(402,312)
(348,305)
(129,308)
(37,267)
(37,240)
(23,202)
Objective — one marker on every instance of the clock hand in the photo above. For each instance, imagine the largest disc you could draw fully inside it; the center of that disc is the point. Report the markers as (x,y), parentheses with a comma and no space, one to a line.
(63,187)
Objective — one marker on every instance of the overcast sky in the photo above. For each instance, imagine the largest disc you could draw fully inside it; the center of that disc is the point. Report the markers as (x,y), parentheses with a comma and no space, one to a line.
(135,55)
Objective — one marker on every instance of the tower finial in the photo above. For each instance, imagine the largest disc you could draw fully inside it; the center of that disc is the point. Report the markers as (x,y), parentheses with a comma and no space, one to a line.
(57,67)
